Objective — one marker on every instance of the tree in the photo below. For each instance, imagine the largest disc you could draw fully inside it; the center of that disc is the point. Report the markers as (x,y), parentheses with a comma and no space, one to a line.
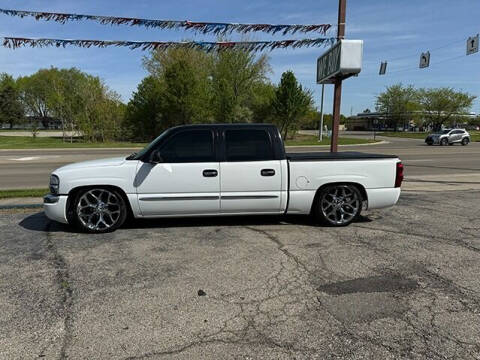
(183,93)
(185,76)
(440,105)
(36,93)
(290,103)
(11,108)
(68,98)
(261,102)
(236,74)
(100,111)
(82,102)
(399,103)
(143,113)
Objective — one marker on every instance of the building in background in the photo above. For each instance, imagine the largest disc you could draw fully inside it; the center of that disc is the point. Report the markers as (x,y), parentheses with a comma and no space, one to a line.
(34,122)
(369,121)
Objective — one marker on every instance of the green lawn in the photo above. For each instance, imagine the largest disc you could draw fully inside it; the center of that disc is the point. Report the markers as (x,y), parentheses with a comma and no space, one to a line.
(6,194)
(26,142)
(421,135)
(302,140)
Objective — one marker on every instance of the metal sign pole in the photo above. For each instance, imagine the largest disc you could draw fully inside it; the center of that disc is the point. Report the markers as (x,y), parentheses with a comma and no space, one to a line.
(337,97)
(320,130)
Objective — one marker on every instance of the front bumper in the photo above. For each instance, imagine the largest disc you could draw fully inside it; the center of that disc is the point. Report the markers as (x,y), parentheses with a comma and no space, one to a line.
(55,207)
(432,140)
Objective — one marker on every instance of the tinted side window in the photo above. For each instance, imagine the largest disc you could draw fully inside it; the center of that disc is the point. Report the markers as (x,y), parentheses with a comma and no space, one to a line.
(456,132)
(248,145)
(189,146)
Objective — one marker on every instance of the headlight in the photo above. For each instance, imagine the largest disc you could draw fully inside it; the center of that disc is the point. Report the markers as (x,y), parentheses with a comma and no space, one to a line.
(54,184)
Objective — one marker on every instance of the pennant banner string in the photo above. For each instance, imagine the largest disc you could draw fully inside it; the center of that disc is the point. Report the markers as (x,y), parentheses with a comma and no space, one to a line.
(202,27)
(17,42)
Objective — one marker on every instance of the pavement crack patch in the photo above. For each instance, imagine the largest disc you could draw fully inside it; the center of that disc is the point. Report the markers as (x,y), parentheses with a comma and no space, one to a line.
(254,318)
(280,246)
(370,285)
(64,289)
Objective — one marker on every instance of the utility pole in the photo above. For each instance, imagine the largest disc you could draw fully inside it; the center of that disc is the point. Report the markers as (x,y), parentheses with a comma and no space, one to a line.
(320,129)
(337,95)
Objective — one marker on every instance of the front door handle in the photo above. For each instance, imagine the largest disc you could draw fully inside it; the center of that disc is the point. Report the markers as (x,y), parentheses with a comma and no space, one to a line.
(210,173)
(267,172)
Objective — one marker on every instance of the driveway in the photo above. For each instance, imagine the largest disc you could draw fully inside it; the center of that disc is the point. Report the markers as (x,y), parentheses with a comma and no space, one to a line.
(400,283)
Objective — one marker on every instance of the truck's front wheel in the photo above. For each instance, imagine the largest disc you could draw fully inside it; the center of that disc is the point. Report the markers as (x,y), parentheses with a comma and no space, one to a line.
(99,210)
(338,205)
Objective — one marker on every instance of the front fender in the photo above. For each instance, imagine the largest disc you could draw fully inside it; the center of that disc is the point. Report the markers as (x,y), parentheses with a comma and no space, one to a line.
(121,176)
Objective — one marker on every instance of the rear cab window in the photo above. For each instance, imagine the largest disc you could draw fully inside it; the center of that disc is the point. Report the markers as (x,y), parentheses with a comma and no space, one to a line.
(248,145)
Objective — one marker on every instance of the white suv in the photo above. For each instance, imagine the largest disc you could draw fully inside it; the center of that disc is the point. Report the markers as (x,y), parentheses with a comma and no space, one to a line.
(449,137)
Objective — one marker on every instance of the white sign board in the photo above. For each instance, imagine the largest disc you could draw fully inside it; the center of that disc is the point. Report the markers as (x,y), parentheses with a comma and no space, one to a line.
(341,61)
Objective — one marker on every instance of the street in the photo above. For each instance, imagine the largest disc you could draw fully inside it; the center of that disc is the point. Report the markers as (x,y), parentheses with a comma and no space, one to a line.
(32,168)
(400,283)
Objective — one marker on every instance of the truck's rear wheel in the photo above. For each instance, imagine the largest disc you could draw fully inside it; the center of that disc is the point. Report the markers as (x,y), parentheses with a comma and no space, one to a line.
(338,205)
(99,210)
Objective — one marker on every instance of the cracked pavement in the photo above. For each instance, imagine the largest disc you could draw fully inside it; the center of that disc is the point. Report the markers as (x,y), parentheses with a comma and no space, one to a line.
(399,283)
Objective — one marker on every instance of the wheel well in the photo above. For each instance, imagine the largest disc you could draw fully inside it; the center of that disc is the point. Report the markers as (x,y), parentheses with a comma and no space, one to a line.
(360,188)
(73,193)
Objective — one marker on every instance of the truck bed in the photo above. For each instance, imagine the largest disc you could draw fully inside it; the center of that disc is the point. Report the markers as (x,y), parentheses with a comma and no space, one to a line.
(339,156)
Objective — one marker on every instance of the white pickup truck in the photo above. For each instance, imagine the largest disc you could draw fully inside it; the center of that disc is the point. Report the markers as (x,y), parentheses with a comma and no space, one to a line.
(209,170)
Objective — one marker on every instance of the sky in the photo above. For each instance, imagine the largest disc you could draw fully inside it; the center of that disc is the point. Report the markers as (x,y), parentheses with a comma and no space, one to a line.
(396,31)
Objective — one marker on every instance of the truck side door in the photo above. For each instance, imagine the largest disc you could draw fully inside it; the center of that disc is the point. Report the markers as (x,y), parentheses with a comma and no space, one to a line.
(186,182)
(251,178)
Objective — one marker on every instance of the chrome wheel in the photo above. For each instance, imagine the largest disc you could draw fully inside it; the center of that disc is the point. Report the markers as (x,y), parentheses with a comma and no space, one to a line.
(99,209)
(340,204)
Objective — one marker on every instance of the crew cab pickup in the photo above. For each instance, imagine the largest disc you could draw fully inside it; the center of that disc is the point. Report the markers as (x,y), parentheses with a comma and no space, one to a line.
(226,169)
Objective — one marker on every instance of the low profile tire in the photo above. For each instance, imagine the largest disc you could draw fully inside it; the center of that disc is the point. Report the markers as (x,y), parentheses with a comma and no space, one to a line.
(465,141)
(338,205)
(99,210)
(444,142)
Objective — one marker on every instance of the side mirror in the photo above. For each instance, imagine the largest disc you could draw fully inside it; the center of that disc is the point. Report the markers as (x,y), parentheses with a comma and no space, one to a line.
(155,157)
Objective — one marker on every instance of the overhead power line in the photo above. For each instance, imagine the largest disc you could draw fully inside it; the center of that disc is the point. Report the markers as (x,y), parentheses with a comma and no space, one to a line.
(218,28)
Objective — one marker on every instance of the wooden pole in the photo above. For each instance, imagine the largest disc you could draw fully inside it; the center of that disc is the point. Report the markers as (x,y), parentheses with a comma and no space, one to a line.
(320,128)
(337,95)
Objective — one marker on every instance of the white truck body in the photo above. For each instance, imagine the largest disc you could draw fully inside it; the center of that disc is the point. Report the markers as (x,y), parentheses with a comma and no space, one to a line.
(287,184)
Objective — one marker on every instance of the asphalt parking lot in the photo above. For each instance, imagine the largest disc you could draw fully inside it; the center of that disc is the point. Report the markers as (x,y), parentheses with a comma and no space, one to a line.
(400,283)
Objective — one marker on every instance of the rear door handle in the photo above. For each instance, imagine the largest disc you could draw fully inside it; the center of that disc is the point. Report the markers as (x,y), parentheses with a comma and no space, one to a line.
(267,172)
(210,173)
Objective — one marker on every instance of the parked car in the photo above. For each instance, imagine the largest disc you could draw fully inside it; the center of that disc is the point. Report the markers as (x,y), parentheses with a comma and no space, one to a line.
(205,170)
(449,137)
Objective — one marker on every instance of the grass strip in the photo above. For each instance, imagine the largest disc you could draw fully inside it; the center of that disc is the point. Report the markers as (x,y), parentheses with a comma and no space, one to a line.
(19,193)
(28,142)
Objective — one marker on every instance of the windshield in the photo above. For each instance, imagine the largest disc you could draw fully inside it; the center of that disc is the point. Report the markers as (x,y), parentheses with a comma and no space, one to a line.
(446,131)
(146,149)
